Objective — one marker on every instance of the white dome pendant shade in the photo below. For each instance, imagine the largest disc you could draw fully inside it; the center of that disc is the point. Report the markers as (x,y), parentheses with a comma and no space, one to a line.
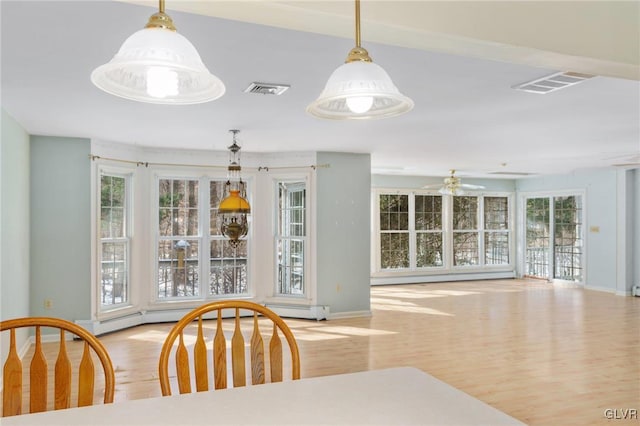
(359,89)
(158,65)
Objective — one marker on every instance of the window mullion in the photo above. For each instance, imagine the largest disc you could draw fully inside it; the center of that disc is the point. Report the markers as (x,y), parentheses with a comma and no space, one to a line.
(481,232)
(204,221)
(412,231)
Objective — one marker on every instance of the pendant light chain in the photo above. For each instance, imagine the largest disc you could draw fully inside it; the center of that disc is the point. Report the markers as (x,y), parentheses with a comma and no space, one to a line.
(358,23)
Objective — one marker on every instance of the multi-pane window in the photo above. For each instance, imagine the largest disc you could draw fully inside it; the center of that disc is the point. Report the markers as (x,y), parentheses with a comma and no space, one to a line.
(554,241)
(421,231)
(428,225)
(227,265)
(191,246)
(537,225)
(394,231)
(568,243)
(291,238)
(496,230)
(178,238)
(114,241)
(465,231)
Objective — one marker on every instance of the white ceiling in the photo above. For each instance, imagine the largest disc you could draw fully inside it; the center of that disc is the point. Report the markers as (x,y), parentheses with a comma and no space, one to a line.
(456,60)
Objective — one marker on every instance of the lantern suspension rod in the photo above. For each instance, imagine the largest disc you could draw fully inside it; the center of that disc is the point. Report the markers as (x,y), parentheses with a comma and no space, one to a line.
(207,166)
(358,23)
(161,6)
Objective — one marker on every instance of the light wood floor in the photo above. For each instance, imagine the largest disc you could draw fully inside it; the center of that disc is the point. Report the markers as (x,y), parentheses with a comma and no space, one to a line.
(543,354)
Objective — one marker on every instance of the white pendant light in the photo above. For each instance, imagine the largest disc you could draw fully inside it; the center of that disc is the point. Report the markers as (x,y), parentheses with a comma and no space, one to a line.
(158,65)
(359,89)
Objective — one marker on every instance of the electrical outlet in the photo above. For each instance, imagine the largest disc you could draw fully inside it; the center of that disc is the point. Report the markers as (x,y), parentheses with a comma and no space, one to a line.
(48,303)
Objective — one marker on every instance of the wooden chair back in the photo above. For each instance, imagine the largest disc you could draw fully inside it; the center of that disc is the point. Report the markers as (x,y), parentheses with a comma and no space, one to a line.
(39,372)
(219,348)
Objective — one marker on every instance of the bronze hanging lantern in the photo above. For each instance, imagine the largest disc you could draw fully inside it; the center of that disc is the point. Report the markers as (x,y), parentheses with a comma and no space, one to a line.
(234,208)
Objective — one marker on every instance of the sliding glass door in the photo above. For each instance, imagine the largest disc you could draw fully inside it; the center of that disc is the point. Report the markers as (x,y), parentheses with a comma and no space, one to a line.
(554,243)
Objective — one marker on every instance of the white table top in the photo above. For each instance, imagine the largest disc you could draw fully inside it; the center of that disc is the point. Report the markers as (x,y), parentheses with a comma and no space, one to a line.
(396,396)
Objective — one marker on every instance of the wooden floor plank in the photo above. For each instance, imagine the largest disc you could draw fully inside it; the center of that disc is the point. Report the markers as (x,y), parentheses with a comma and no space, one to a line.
(547,355)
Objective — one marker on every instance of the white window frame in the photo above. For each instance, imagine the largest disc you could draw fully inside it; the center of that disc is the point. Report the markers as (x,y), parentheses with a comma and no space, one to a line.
(522,224)
(271,295)
(447,225)
(413,241)
(203,238)
(303,182)
(128,173)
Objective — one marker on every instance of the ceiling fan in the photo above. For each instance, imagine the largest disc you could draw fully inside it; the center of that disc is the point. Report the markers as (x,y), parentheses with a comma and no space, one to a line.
(453,185)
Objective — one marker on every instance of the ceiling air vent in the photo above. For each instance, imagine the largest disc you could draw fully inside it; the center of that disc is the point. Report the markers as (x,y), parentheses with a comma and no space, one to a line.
(266,88)
(552,82)
(511,173)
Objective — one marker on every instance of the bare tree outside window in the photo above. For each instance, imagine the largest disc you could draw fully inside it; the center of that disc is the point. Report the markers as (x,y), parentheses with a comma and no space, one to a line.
(496,230)
(114,240)
(428,224)
(554,234)
(291,238)
(394,231)
(178,242)
(227,265)
(465,231)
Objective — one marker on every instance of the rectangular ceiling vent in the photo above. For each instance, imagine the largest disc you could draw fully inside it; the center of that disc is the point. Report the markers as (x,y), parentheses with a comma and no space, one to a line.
(552,82)
(511,173)
(266,88)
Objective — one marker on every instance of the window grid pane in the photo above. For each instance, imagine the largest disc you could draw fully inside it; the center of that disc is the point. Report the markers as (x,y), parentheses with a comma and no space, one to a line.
(465,213)
(429,249)
(496,217)
(496,248)
(568,242)
(465,248)
(496,213)
(394,250)
(537,237)
(178,243)
(114,245)
(178,268)
(428,212)
(394,212)
(291,238)
(227,266)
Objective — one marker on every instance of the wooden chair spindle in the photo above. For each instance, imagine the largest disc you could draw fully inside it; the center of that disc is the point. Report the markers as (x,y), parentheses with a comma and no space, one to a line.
(62,388)
(38,378)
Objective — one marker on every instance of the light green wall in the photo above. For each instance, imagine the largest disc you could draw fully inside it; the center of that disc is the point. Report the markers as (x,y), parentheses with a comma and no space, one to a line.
(60,227)
(14,266)
(343,231)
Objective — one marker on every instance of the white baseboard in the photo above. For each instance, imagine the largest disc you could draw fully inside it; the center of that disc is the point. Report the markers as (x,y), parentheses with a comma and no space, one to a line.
(599,288)
(315,312)
(352,314)
(416,279)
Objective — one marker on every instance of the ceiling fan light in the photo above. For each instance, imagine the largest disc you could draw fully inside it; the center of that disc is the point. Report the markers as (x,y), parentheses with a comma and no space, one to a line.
(158,52)
(359,79)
